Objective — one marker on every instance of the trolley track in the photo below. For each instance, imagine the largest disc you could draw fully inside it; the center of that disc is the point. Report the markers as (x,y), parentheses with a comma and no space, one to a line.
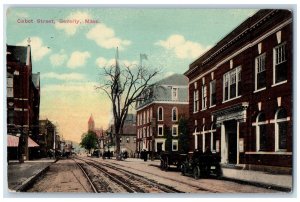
(198,187)
(87,177)
(102,181)
(132,182)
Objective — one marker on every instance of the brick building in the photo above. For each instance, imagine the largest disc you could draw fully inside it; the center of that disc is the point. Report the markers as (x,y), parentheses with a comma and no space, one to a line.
(240,94)
(98,131)
(47,135)
(23,96)
(158,112)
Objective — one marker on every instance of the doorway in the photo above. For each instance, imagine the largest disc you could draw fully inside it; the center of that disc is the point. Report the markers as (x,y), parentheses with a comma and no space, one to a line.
(231,140)
(159,147)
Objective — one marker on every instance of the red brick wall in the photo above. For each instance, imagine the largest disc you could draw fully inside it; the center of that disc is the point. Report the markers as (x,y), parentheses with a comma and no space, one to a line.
(267,97)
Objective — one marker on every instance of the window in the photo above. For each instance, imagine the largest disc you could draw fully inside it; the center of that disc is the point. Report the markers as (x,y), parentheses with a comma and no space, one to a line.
(281,127)
(150,114)
(144,132)
(260,72)
(232,84)
(175,130)
(196,101)
(151,131)
(138,120)
(10,117)
(10,87)
(213,97)
(148,131)
(174,93)
(127,140)
(204,96)
(160,130)
(175,145)
(160,114)
(174,114)
(144,117)
(120,139)
(261,132)
(147,116)
(280,66)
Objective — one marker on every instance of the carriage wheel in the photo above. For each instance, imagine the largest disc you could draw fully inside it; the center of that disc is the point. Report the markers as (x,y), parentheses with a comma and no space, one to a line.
(183,169)
(166,164)
(161,164)
(218,172)
(196,172)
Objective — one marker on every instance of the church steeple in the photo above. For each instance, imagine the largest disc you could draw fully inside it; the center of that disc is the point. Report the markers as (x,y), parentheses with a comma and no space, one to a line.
(91,123)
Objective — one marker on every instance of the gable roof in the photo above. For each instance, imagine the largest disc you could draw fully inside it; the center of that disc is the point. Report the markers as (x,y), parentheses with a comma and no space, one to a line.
(17,53)
(174,80)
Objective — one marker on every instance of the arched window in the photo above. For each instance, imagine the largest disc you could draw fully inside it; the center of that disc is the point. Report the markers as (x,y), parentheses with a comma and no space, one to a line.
(261,132)
(160,114)
(174,114)
(281,126)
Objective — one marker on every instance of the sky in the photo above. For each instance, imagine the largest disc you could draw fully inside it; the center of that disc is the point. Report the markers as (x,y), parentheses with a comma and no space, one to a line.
(70,56)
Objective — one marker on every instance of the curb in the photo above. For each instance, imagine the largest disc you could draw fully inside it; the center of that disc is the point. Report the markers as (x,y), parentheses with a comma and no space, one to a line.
(30,181)
(258,184)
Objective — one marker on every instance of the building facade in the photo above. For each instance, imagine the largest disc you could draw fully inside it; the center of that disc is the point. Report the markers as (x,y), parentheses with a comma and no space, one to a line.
(159,110)
(23,96)
(48,137)
(127,136)
(240,94)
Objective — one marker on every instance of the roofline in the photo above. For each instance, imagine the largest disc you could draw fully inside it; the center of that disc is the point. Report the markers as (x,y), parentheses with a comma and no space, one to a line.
(271,11)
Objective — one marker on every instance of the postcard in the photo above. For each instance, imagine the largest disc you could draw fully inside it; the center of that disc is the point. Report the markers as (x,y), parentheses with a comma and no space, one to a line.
(149,100)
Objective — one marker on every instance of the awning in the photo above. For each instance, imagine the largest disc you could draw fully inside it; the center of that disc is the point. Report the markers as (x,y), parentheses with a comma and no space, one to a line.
(13,141)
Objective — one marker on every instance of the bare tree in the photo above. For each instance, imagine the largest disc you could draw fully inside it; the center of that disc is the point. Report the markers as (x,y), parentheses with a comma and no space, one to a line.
(124,87)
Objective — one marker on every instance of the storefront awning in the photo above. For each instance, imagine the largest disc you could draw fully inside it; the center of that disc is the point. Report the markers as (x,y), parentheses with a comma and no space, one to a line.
(13,141)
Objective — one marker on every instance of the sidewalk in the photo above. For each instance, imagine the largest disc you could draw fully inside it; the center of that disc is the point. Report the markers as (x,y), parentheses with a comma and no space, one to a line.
(21,175)
(258,178)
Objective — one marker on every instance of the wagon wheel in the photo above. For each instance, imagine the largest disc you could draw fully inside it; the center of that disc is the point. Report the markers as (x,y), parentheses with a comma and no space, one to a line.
(196,172)
(218,171)
(166,163)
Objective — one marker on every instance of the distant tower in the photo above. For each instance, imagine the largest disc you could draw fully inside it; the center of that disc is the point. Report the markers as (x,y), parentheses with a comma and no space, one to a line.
(91,124)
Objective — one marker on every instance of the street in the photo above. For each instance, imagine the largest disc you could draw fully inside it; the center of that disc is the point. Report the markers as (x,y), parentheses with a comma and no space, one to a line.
(129,176)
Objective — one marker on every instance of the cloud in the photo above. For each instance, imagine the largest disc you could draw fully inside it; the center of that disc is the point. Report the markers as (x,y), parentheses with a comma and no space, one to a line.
(78,59)
(105,37)
(71,28)
(64,77)
(182,48)
(166,74)
(102,62)
(38,50)
(58,59)
(79,87)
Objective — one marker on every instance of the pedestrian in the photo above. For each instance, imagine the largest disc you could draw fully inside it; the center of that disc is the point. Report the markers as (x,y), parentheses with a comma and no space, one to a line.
(145,155)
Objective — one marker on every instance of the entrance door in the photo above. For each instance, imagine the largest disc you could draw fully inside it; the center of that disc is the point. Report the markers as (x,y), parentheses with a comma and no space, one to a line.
(231,130)
(232,148)
(159,147)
